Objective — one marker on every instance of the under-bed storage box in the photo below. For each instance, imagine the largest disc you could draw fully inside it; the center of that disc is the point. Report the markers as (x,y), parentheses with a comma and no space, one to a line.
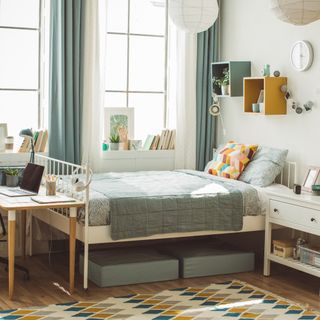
(207,260)
(115,267)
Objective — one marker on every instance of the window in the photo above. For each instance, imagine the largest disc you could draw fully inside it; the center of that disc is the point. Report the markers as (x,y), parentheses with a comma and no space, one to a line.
(20,65)
(136,58)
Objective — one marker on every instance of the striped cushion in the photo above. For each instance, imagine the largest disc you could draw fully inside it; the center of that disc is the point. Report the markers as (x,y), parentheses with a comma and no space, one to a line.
(232,160)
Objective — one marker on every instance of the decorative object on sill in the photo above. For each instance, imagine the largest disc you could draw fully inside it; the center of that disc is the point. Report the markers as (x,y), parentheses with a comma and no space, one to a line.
(283,248)
(297,189)
(135,144)
(114,142)
(51,185)
(3,135)
(256,107)
(316,189)
(266,70)
(297,12)
(28,134)
(119,121)
(148,143)
(9,143)
(223,82)
(105,145)
(215,111)
(12,177)
(276,73)
(301,56)
(193,16)
(310,178)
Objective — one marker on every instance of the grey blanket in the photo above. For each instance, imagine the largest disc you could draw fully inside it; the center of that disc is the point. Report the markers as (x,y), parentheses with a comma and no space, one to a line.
(145,203)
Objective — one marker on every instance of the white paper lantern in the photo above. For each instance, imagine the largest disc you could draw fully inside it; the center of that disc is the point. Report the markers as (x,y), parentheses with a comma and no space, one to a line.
(193,15)
(297,12)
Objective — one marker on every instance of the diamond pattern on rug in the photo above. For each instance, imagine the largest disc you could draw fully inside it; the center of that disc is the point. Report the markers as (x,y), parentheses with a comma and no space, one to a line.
(229,300)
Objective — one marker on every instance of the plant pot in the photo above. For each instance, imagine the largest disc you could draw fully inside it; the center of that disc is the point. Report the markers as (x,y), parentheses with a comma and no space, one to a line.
(114,146)
(225,90)
(12,181)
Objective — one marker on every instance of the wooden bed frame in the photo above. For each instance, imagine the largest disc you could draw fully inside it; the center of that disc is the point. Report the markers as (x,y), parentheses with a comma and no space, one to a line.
(89,235)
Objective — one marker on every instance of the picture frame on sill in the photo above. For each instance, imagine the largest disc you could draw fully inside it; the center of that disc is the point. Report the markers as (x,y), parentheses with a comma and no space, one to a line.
(119,121)
(311,178)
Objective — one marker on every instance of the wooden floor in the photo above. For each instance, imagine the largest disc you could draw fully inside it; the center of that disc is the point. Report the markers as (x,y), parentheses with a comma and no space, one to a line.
(48,285)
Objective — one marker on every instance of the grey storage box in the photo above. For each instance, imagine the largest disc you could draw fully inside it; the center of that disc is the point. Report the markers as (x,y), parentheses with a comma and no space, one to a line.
(198,260)
(115,267)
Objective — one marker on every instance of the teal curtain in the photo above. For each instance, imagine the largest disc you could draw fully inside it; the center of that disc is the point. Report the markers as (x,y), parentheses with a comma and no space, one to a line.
(207,52)
(66,74)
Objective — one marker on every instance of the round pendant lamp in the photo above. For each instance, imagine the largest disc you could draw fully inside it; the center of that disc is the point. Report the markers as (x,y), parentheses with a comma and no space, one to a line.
(297,12)
(193,15)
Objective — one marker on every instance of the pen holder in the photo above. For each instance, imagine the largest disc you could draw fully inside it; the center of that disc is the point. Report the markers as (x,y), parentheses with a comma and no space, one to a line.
(51,188)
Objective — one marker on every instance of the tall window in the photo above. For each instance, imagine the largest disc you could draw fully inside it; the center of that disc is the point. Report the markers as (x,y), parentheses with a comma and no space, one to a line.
(136,61)
(20,65)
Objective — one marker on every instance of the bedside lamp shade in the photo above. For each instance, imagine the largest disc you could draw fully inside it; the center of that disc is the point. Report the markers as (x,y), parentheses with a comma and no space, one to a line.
(297,12)
(27,133)
(193,16)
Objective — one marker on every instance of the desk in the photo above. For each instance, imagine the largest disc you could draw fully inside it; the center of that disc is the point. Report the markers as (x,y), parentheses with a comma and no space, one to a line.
(20,205)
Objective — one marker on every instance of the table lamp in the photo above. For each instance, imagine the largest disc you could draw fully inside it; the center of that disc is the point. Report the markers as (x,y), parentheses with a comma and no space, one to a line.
(27,133)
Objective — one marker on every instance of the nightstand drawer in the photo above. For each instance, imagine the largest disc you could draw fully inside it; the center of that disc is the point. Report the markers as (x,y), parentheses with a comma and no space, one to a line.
(295,214)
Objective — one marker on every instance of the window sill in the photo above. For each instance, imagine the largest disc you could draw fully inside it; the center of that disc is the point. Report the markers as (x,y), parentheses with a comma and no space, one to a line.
(140,154)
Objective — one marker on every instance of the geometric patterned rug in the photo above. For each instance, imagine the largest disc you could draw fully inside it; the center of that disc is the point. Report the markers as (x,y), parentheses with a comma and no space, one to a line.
(229,300)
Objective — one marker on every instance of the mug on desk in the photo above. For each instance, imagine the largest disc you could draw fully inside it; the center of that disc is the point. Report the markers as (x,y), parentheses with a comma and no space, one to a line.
(51,185)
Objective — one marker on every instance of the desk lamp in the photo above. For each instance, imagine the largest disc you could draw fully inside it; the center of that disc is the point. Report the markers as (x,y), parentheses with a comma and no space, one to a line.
(27,133)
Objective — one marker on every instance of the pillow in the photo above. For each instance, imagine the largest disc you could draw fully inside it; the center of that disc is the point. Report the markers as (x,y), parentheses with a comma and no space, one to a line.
(210,163)
(232,159)
(264,167)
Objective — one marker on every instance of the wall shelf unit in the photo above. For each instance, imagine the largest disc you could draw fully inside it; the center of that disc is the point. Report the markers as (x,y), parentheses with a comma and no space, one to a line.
(237,69)
(274,100)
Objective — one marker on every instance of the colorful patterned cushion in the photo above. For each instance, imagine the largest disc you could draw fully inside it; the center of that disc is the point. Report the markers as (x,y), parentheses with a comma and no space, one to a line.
(232,160)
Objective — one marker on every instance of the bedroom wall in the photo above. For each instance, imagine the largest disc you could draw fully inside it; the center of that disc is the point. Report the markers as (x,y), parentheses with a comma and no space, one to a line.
(251,32)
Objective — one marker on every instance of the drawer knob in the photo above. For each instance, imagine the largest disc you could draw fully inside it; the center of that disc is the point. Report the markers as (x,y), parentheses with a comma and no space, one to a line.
(275,210)
(313,220)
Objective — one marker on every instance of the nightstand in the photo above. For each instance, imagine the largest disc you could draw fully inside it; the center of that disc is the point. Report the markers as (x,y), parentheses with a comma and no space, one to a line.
(299,212)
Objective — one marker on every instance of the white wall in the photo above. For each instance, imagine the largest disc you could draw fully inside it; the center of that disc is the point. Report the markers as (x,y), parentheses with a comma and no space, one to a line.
(251,32)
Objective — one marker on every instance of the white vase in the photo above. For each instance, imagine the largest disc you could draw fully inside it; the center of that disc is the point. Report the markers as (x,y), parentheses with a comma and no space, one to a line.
(225,90)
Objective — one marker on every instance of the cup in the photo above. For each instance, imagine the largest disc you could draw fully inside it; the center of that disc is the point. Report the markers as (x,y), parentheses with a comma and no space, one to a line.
(51,187)
(255,107)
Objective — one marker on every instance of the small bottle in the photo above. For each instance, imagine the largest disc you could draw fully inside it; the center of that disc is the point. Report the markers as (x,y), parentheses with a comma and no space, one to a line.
(105,146)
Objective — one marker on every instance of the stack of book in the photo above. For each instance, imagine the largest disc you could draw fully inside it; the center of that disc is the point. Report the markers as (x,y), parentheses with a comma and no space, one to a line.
(40,142)
(164,141)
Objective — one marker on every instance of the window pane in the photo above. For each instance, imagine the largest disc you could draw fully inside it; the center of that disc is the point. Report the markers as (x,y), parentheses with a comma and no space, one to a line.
(19,110)
(146,64)
(19,59)
(117,18)
(148,113)
(115,100)
(146,18)
(116,60)
(19,13)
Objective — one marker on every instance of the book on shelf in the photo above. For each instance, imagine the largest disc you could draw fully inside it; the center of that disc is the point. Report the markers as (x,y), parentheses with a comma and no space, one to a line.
(155,142)
(163,141)
(40,142)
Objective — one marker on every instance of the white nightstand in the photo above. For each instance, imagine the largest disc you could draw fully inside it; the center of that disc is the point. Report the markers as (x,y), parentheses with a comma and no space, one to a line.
(299,212)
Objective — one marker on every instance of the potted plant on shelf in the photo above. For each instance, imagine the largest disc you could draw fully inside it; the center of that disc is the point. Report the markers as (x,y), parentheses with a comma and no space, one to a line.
(114,142)
(12,177)
(223,82)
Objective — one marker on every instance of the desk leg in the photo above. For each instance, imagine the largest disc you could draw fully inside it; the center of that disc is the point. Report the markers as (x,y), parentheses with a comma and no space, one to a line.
(72,246)
(23,233)
(11,247)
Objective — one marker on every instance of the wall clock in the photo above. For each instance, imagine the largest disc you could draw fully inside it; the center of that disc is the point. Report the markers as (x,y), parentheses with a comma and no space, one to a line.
(301,55)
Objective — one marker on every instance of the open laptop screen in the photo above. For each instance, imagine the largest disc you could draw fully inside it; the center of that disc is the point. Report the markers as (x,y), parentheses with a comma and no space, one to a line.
(31,179)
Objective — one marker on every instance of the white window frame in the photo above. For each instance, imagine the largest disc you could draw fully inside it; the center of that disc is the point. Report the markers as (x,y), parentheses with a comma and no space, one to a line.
(41,62)
(165,37)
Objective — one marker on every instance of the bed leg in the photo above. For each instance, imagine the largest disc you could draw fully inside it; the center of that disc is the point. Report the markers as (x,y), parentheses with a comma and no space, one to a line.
(267,247)
(85,266)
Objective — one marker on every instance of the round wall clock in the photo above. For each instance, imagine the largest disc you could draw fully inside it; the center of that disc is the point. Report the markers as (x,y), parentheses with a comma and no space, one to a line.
(301,55)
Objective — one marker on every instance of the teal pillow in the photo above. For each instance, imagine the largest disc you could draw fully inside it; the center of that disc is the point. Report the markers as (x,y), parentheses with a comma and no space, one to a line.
(266,165)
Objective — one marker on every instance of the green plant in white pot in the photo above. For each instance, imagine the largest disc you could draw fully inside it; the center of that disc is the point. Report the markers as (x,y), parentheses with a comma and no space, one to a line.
(223,82)
(12,177)
(114,142)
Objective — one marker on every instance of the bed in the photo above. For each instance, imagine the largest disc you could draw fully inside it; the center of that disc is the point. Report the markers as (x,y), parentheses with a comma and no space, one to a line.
(155,205)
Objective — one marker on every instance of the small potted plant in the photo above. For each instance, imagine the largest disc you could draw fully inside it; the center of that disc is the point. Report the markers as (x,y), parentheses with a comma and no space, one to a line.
(12,177)
(223,82)
(114,142)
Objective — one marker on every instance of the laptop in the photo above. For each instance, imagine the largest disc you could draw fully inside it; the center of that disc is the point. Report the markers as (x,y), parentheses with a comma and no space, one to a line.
(30,183)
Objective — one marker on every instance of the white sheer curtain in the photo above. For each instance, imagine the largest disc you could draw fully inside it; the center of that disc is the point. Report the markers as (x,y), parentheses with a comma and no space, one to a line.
(182,61)
(94,83)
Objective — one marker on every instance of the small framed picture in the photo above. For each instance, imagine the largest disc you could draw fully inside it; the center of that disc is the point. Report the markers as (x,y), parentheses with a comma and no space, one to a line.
(310,178)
